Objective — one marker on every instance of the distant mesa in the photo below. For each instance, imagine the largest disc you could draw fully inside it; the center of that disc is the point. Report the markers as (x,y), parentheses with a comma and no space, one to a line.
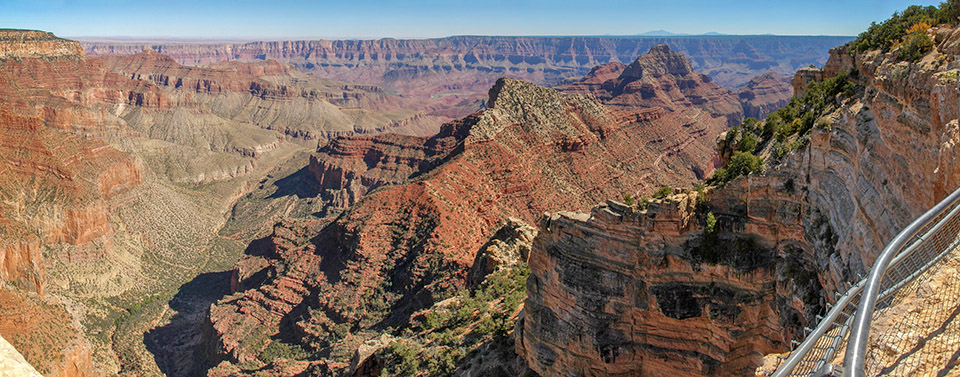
(16,43)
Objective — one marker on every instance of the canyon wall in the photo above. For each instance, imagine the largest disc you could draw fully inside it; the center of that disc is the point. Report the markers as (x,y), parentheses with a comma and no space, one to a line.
(621,292)
(814,221)
(660,78)
(449,77)
(729,60)
(765,94)
(421,208)
(116,174)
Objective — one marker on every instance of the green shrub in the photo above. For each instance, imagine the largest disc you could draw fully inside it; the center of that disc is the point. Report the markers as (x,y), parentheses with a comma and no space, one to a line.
(663,192)
(700,188)
(402,359)
(748,143)
(444,363)
(892,32)
(644,201)
(280,350)
(750,124)
(915,45)
(629,200)
(742,163)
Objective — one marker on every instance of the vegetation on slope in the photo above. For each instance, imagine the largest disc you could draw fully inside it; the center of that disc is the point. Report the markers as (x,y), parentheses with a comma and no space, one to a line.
(906,30)
(753,142)
(466,332)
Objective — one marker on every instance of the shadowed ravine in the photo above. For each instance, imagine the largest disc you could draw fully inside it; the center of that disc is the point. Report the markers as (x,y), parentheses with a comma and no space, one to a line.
(177,345)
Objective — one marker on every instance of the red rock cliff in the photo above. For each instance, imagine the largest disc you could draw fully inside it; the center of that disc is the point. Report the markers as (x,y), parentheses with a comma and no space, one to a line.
(411,242)
(625,292)
(818,217)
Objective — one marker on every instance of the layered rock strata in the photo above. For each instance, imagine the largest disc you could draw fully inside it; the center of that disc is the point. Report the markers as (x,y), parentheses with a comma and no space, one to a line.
(449,77)
(817,218)
(677,119)
(431,204)
(659,78)
(114,180)
(731,60)
(765,94)
(16,43)
(620,292)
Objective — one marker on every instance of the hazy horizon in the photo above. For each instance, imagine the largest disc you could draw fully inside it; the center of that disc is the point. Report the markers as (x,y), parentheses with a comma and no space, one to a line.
(245,20)
(170,39)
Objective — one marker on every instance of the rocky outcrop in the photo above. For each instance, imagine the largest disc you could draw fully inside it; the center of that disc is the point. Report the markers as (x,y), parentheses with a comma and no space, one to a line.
(765,94)
(36,44)
(411,242)
(683,108)
(509,246)
(817,218)
(347,168)
(804,77)
(659,291)
(659,78)
(12,363)
(43,332)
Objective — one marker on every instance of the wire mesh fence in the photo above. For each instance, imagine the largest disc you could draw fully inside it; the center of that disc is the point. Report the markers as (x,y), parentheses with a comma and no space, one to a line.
(813,356)
(914,331)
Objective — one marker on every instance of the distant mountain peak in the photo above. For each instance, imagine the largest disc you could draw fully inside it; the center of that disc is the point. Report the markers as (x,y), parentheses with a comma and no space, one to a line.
(659,33)
(660,60)
(664,33)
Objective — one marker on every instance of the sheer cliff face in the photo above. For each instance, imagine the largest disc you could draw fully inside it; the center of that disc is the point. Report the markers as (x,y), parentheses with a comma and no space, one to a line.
(410,242)
(888,155)
(816,220)
(618,292)
(57,183)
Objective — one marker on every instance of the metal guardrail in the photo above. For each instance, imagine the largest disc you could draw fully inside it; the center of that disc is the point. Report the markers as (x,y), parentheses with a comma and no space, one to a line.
(942,236)
(913,252)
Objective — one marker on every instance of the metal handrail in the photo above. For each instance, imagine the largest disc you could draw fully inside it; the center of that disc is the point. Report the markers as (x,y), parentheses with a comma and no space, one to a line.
(855,356)
(845,305)
(787,367)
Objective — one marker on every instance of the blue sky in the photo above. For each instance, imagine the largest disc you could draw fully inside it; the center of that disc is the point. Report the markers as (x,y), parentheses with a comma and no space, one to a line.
(282,19)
